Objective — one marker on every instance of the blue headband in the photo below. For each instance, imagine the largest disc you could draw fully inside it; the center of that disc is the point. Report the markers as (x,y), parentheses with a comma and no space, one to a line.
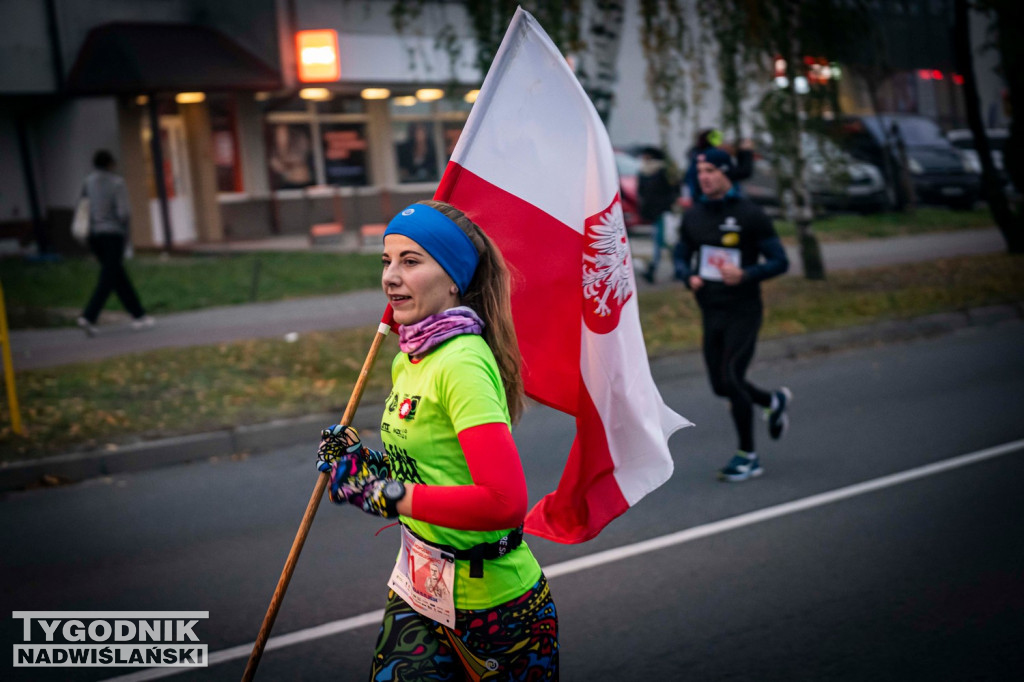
(442,238)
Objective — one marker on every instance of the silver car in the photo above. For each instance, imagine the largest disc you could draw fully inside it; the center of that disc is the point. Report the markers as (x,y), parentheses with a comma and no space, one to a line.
(998,138)
(834,178)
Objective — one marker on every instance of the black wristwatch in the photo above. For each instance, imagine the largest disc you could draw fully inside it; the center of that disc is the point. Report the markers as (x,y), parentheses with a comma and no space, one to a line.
(393,492)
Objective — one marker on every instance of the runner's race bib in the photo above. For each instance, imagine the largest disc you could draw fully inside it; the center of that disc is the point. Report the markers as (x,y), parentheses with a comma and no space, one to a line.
(424,577)
(712,258)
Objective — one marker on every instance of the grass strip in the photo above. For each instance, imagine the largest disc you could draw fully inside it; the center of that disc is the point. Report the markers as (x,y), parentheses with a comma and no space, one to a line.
(176,391)
(182,282)
(851,226)
(48,294)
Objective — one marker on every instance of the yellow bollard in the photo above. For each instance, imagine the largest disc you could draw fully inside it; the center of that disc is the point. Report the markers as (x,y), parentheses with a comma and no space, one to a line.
(5,344)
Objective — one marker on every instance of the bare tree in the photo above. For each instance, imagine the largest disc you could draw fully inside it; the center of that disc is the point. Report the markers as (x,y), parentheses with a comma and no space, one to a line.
(803,210)
(598,63)
(1010,222)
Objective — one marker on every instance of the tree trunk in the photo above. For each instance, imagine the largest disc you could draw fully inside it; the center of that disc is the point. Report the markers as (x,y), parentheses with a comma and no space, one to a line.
(29,176)
(606,35)
(1009,17)
(1009,224)
(893,177)
(906,183)
(810,251)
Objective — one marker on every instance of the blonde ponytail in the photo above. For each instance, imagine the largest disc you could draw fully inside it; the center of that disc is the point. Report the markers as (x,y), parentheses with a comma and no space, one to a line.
(489,295)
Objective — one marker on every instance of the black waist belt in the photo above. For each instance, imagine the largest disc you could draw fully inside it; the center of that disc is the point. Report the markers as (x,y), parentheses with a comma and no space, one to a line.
(477,553)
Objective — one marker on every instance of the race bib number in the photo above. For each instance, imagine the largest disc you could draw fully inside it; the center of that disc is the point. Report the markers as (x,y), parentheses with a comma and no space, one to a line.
(424,577)
(712,258)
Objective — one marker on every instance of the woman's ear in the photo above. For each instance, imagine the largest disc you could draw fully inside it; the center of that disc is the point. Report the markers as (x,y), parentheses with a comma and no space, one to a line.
(453,290)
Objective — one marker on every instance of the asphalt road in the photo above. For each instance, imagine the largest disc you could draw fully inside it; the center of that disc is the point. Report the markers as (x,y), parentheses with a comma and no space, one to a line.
(906,580)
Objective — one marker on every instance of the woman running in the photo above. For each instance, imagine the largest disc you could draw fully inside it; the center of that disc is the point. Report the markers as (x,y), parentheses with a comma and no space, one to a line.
(467,599)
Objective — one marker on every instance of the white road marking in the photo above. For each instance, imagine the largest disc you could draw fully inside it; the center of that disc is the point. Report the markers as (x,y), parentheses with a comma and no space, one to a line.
(619,553)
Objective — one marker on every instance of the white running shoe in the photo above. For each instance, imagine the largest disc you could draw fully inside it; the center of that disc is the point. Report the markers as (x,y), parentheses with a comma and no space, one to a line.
(88,327)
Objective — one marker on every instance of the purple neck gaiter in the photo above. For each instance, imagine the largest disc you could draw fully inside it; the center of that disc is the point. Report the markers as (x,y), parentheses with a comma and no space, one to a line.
(423,336)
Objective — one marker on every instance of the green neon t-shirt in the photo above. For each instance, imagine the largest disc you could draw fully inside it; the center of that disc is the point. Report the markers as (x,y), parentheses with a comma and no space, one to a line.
(455,387)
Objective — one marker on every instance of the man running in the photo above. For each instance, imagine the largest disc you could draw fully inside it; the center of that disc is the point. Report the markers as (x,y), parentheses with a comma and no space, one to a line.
(721,242)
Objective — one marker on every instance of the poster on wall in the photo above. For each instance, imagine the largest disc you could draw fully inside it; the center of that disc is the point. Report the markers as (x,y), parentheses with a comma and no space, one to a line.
(290,156)
(345,150)
(417,158)
(226,159)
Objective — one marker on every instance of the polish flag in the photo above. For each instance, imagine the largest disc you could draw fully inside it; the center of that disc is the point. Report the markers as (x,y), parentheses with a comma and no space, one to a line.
(535,169)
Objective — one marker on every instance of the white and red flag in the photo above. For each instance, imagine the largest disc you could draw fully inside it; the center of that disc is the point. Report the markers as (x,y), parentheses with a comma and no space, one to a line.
(535,169)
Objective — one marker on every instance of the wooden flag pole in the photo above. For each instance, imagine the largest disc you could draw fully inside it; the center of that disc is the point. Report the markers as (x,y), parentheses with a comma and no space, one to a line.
(314,504)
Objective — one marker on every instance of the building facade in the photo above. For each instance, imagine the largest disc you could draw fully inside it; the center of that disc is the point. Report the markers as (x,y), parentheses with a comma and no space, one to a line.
(204,105)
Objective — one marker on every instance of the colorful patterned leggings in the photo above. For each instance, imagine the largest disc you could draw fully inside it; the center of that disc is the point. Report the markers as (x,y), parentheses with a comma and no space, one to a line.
(517,640)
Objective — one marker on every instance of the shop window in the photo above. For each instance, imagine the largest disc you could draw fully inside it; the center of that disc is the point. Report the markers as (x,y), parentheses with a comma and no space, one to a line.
(290,155)
(424,134)
(416,151)
(345,154)
(317,142)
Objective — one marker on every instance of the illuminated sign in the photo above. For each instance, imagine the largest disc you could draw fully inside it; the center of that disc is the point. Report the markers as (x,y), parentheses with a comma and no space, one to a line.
(318,56)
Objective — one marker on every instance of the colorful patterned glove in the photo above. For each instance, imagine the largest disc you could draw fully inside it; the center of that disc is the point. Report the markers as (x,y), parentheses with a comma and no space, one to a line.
(337,442)
(376,502)
(352,467)
(353,481)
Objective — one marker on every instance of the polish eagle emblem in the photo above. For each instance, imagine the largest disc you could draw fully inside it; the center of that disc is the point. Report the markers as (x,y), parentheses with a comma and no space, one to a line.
(607,269)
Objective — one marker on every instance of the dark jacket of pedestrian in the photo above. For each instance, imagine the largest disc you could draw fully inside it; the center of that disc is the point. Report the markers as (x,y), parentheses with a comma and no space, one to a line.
(655,193)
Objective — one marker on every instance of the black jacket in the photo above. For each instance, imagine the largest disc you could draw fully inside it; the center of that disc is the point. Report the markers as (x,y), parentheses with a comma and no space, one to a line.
(655,194)
(733,227)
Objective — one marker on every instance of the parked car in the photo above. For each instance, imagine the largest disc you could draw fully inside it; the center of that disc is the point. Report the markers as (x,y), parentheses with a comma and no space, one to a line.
(834,178)
(963,139)
(939,172)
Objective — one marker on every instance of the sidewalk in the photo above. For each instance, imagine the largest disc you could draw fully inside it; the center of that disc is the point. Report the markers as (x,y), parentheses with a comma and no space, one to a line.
(872,252)
(34,349)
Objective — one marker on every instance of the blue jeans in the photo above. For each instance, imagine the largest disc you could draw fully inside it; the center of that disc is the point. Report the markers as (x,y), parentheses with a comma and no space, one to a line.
(659,243)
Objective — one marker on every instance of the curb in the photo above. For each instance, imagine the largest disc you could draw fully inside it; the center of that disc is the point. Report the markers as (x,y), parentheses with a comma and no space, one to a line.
(251,439)
(260,438)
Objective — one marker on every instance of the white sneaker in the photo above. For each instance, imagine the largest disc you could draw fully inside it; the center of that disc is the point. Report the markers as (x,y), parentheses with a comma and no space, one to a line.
(742,466)
(144,322)
(88,327)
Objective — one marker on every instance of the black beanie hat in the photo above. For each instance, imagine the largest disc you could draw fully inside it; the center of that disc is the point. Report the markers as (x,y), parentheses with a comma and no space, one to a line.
(719,159)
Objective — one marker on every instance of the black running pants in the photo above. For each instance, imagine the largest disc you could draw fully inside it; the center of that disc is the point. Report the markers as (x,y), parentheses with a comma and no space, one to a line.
(109,251)
(730,336)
